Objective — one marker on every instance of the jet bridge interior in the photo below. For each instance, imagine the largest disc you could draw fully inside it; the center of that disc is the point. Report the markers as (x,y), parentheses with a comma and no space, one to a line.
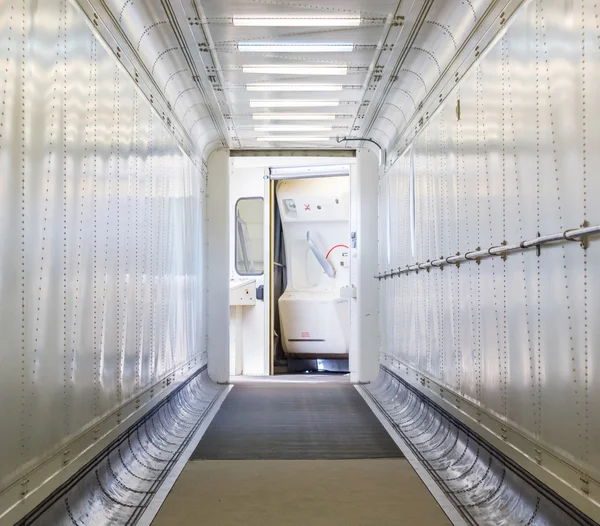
(454,264)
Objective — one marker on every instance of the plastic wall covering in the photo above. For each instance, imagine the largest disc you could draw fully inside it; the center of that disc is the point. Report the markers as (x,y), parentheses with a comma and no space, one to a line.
(101,229)
(517,337)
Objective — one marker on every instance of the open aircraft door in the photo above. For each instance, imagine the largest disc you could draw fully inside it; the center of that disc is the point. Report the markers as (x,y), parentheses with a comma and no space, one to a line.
(310,266)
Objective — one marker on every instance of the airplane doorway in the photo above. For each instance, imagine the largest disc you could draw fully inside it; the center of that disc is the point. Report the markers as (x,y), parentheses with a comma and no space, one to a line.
(310,318)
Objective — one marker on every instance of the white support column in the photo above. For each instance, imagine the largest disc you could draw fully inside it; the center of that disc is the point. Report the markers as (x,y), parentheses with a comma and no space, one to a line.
(236,339)
(217,285)
(364,312)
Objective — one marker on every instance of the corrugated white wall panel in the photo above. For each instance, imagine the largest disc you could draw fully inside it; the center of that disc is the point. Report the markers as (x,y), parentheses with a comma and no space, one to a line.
(516,337)
(101,233)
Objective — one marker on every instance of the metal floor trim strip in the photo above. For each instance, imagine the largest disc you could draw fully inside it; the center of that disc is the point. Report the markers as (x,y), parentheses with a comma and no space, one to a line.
(485,486)
(448,508)
(165,488)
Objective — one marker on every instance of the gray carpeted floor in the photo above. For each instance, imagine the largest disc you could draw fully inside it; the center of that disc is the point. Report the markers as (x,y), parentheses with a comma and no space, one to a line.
(295,421)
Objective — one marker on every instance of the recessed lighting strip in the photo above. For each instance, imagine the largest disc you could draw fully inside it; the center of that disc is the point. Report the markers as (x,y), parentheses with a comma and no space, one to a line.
(295,48)
(294,69)
(292,138)
(282,103)
(265,86)
(293,116)
(292,128)
(308,21)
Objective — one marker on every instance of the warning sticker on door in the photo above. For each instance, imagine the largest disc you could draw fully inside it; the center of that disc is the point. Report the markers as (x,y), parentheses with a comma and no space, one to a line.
(305,335)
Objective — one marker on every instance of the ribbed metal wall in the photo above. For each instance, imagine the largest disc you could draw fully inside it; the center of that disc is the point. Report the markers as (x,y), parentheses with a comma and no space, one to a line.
(102,242)
(512,344)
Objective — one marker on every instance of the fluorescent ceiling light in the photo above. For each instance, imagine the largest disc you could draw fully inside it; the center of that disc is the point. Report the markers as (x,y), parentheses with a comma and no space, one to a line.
(295,48)
(293,116)
(282,103)
(292,138)
(316,169)
(307,172)
(264,86)
(306,21)
(291,127)
(294,69)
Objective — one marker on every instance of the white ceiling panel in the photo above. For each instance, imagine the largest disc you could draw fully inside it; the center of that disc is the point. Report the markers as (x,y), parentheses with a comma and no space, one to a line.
(400,51)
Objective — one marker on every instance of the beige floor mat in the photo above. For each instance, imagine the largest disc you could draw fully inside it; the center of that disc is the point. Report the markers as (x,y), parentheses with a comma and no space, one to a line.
(300,492)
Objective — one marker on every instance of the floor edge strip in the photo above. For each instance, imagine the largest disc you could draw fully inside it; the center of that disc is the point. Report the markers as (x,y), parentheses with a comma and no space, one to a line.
(165,488)
(447,507)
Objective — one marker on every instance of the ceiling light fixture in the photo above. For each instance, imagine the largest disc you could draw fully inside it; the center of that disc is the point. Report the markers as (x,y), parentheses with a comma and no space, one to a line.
(292,127)
(283,103)
(293,116)
(307,172)
(307,21)
(295,48)
(292,138)
(264,86)
(294,69)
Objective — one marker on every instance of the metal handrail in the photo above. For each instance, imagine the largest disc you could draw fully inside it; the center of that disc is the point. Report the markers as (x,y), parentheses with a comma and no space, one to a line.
(580,234)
